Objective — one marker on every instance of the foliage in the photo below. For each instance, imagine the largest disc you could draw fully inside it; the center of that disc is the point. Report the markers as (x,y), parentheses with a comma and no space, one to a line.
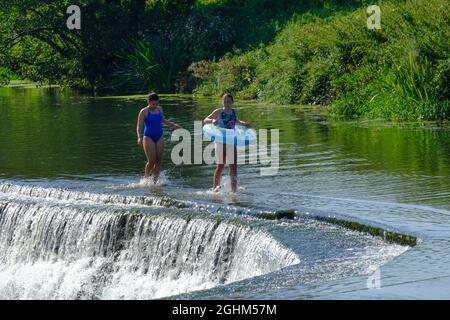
(288,51)
(106,55)
(37,45)
(399,72)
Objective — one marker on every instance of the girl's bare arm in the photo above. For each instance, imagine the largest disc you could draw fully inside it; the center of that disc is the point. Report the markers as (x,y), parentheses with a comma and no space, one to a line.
(244,123)
(140,123)
(168,123)
(212,117)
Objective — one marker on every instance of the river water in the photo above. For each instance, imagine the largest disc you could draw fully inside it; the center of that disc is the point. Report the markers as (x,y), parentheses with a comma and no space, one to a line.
(78,222)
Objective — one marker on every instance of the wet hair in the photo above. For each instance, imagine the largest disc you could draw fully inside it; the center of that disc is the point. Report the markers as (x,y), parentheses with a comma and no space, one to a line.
(152,97)
(226,95)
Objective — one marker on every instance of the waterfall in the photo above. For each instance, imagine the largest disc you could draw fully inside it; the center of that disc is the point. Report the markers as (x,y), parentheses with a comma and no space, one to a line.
(67,250)
(63,194)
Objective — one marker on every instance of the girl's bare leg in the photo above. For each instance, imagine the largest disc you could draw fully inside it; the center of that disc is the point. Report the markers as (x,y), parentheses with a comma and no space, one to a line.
(220,150)
(159,155)
(233,172)
(150,153)
(217,176)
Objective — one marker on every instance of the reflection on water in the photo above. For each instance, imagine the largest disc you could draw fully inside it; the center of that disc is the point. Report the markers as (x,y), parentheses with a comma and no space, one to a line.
(390,175)
(49,134)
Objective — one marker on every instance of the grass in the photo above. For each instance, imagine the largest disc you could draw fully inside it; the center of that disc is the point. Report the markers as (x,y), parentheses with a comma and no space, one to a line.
(401,72)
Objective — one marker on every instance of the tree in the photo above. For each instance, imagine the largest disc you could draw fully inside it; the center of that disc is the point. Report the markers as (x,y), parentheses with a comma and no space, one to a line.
(36,44)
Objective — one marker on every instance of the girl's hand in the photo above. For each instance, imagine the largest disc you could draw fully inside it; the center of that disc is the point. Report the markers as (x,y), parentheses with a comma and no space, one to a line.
(215,121)
(139,141)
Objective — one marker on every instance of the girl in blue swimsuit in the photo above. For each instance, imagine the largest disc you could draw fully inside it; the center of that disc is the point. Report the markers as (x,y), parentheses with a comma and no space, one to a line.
(150,121)
(225,118)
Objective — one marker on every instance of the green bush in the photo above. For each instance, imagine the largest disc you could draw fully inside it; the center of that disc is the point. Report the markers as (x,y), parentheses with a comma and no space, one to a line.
(400,72)
(143,65)
(6,76)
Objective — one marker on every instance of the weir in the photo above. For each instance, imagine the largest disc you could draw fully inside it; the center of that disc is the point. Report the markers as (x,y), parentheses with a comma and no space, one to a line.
(61,249)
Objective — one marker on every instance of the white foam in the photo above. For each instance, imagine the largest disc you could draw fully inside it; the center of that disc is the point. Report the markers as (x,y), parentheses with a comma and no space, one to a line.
(60,252)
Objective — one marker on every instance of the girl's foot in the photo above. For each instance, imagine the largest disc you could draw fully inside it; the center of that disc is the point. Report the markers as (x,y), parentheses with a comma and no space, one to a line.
(216,189)
(145,181)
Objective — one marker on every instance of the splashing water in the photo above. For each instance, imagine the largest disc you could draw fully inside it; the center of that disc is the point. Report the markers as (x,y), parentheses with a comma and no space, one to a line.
(52,250)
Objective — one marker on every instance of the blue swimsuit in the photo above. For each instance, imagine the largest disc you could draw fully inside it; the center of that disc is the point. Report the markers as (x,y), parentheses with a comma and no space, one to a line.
(226,120)
(153,125)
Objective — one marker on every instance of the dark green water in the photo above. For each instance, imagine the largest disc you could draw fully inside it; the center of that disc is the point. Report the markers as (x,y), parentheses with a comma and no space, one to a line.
(50,134)
(392,175)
